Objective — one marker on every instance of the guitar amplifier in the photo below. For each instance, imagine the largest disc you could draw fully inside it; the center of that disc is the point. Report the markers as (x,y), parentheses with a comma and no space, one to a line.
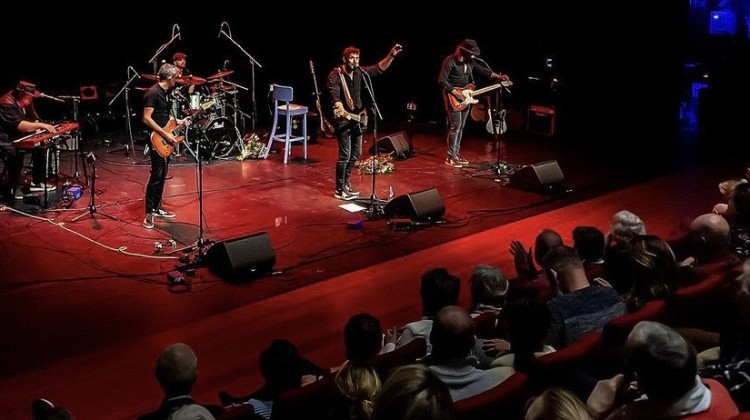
(540,120)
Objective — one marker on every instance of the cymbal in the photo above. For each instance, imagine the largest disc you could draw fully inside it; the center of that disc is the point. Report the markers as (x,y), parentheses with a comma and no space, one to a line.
(191,80)
(223,87)
(149,76)
(143,88)
(220,74)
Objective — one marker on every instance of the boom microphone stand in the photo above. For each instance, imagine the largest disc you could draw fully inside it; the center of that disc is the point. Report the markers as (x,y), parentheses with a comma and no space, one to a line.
(126,89)
(253,63)
(375,205)
(175,28)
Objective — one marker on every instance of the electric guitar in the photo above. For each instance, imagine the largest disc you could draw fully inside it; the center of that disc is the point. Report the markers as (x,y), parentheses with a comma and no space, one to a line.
(325,128)
(502,126)
(162,147)
(360,118)
(468,93)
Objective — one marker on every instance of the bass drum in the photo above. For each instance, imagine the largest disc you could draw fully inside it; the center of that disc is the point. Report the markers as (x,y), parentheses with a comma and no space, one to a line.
(217,137)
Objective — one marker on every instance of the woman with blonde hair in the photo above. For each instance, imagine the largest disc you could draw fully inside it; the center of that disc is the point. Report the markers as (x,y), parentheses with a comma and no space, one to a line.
(356,386)
(556,404)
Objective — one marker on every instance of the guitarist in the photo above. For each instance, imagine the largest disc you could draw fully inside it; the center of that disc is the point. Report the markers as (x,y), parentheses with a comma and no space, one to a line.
(345,86)
(157,111)
(456,74)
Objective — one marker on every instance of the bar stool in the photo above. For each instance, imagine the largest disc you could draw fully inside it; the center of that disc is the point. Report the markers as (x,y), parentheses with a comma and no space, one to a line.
(282,97)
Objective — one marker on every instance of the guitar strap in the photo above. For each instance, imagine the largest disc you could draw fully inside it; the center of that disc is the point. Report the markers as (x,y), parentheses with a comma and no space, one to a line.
(348,95)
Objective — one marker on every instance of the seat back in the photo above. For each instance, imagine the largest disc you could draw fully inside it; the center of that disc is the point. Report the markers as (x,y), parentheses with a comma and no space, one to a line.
(282,93)
(308,402)
(407,354)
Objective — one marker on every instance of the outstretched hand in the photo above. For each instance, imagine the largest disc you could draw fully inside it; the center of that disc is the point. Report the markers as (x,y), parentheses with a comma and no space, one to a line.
(396,50)
(522,259)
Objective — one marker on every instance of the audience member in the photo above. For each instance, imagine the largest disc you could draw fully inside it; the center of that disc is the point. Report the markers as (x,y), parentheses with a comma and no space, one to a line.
(665,369)
(488,289)
(413,392)
(452,338)
(588,241)
(556,404)
(177,370)
(625,226)
(653,271)
(438,289)
(581,308)
(364,339)
(357,385)
(528,276)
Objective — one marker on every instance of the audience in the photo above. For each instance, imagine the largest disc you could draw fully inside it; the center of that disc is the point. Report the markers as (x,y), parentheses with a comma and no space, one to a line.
(438,289)
(488,288)
(581,307)
(556,404)
(413,392)
(653,271)
(177,370)
(357,385)
(625,226)
(529,277)
(588,241)
(452,338)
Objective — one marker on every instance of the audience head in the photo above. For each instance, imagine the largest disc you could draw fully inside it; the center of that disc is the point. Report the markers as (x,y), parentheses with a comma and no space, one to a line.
(363,337)
(438,289)
(526,323)
(281,366)
(625,225)
(726,188)
(545,241)
(177,369)
(653,270)
(710,233)
(556,404)
(358,383)
(488,286)
(452,334)
(413,392)
(664,363)
(191,412)
(740,203)
(564,268)
(589,242)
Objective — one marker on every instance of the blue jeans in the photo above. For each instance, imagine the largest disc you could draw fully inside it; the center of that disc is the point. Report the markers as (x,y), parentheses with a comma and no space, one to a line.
(350,148)
(456,121)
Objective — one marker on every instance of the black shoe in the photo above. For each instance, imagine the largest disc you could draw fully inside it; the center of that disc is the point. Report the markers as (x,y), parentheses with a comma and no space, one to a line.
(148,221)
(342,195)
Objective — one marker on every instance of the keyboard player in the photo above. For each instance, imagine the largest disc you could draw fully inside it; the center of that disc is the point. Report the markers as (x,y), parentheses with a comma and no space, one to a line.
(17,119)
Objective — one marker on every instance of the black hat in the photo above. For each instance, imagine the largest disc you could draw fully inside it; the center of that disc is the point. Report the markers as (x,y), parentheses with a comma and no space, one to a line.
(28,88)
(470,46)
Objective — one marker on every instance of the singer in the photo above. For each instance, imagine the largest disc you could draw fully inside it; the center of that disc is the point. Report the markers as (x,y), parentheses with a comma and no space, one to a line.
(157,117)
(345,87)
(456,74)
(18,118)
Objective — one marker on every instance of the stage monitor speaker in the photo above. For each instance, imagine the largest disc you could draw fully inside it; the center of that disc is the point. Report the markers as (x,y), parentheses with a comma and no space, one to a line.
(242,259)
(397,143)
(542,177)
(421,205)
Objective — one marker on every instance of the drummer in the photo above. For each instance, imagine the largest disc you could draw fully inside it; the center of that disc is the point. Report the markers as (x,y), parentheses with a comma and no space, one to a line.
(179,59)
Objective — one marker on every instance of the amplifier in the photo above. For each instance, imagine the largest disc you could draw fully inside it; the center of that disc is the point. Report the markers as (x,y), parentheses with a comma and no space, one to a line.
(540,120)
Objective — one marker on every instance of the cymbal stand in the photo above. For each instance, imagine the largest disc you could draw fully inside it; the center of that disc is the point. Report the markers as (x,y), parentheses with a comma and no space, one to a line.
(91,160)
(126,89)
(253,64)
(375,206)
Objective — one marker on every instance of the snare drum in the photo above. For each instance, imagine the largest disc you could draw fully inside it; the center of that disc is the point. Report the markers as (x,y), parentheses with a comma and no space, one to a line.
(194,101)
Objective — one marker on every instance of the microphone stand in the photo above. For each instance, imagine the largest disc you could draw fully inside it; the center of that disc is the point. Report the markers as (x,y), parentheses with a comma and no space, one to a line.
(126,89)
(91,160)
(253,63)
(499,167)
(164,46)
(375,206)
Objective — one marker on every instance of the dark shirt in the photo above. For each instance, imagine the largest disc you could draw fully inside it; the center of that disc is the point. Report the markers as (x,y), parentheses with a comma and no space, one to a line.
(157,98)
(577,313)
(11,116)
(354,83)
(455,74)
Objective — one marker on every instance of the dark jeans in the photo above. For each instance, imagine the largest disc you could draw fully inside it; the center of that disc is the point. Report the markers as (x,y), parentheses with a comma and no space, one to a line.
(155,187)
(350,147)
(456,121)
(13,159)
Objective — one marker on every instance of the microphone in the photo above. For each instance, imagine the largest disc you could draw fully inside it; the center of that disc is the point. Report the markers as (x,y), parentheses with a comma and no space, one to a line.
(226,64)
(134,71)
(178,95)
(179,33)
(221,28)
(44,95)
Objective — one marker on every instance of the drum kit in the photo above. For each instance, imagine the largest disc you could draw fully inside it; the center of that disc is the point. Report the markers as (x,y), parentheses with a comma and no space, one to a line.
(208,105)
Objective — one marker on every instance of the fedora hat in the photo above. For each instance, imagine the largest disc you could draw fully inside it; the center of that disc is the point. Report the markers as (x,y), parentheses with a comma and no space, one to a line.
(28,88)
(470,46)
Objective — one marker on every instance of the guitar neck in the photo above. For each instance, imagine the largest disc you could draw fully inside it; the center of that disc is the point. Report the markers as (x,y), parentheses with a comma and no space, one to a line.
(486,89)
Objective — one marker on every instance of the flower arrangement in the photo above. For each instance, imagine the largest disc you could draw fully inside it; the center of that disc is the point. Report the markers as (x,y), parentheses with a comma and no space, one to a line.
(252,148)
(383,164)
